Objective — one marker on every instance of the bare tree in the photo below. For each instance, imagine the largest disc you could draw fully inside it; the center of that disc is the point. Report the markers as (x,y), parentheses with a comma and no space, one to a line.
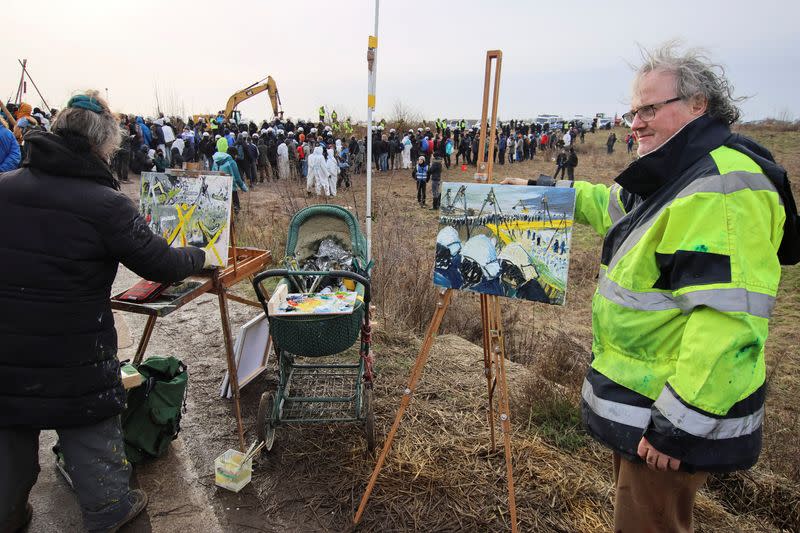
(403,117)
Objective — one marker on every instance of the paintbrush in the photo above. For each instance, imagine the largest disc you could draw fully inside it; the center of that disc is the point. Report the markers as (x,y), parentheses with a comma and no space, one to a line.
(250,454)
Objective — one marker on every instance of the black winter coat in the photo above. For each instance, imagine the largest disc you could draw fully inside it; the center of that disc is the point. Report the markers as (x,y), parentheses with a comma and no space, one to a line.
(67,228)
(435,170)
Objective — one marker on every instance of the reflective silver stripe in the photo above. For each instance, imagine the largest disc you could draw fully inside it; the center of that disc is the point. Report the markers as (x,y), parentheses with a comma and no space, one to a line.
(730,183)
(700,425)
(724,300)
(729,301)
(614,209)
(643,301)
(725,184)
(621,413)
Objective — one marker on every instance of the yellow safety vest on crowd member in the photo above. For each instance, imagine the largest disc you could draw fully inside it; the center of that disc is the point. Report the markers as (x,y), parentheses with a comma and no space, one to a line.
(688,277)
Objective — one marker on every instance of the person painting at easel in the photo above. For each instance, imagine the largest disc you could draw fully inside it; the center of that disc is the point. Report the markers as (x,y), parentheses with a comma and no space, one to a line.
(68,227)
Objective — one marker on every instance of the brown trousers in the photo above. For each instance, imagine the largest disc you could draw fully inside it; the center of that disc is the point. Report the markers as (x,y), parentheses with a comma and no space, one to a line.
(651,501)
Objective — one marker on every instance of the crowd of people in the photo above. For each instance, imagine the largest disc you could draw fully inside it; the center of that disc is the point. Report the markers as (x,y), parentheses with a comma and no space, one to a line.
(323,155)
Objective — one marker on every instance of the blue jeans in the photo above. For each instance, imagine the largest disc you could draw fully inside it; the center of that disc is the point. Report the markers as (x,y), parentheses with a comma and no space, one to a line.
(383,162)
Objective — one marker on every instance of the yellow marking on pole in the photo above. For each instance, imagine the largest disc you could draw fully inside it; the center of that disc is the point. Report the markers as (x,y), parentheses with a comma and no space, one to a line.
(371,101)
(373,42)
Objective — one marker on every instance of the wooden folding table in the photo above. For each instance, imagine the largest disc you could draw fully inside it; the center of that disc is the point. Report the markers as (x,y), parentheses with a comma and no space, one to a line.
(243,264)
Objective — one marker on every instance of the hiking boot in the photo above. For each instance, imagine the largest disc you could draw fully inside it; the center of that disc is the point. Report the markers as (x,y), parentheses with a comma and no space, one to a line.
(138,499)
(19,520)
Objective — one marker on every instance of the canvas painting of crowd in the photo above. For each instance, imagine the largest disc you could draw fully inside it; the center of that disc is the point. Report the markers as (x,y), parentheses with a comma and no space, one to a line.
(189,211)
(505,240)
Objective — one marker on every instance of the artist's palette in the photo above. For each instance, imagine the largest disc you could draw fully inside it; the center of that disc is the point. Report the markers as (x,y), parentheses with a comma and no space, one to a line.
(333,303)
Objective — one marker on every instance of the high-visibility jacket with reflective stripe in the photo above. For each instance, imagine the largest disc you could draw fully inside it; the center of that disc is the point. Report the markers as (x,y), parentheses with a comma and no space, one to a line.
(687,282)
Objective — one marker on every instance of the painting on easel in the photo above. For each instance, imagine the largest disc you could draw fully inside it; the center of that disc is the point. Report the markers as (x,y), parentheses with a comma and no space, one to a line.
(505,240)
(189,210)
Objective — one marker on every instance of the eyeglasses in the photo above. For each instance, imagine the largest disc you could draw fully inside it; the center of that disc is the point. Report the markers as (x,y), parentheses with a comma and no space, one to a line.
(647,112)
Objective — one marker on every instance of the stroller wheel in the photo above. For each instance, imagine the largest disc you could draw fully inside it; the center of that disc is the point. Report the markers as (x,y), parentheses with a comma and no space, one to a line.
(369,420)
(265,421)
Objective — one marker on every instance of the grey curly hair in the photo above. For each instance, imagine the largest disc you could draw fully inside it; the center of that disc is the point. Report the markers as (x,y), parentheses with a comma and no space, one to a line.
(695,75)
(101,129)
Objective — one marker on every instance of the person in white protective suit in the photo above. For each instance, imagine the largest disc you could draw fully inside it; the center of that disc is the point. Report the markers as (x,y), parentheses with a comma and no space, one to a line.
(283,161)
(333,171)
(318,173)
(407,142)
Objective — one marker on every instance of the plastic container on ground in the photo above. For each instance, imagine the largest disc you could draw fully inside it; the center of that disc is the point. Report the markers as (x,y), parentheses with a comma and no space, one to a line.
(230,473)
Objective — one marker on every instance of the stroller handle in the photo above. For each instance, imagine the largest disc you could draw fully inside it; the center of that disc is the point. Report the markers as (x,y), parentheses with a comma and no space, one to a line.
(282,273)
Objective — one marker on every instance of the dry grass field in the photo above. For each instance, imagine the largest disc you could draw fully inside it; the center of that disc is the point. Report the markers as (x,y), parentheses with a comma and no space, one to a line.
(440,475)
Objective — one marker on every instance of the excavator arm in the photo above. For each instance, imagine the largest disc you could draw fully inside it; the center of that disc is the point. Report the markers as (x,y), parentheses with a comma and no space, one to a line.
(254,89)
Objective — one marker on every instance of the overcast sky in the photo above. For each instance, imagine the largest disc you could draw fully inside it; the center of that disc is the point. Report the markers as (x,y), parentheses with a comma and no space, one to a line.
(566,58)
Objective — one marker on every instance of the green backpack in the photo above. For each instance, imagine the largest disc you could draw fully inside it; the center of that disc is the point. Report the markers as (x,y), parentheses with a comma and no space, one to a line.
(152,416)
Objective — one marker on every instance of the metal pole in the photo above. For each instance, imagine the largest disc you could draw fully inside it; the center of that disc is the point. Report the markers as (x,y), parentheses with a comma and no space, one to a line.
(372,65)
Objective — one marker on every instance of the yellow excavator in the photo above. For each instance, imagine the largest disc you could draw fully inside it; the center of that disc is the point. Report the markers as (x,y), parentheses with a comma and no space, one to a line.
(240,96)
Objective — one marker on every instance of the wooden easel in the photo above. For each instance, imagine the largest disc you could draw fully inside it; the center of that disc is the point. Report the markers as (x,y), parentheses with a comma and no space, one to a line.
(243,263)
(493,343)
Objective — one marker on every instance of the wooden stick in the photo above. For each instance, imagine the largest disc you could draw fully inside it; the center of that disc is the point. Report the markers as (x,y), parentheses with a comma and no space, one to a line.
(11,120)
(505,413)
(416,372)
(498,57)
(145,339)
(232,370)
(488,367)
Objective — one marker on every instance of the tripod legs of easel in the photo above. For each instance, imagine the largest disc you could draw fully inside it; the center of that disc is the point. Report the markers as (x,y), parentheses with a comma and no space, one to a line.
(494,352)
(232,370)
(416,372)
(494,367)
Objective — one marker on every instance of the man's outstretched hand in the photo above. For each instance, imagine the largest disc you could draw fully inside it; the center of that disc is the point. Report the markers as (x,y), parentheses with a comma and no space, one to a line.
(655,459)
(514,181)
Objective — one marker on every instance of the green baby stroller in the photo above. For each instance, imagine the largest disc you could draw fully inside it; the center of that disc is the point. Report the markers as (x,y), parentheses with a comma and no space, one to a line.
(311,391)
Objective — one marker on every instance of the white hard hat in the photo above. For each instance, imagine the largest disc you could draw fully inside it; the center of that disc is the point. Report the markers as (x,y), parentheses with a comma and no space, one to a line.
(300,130)
(391,130)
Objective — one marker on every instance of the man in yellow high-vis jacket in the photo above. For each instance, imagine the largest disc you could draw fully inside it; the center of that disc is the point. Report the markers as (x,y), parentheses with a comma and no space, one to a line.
(695,231)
